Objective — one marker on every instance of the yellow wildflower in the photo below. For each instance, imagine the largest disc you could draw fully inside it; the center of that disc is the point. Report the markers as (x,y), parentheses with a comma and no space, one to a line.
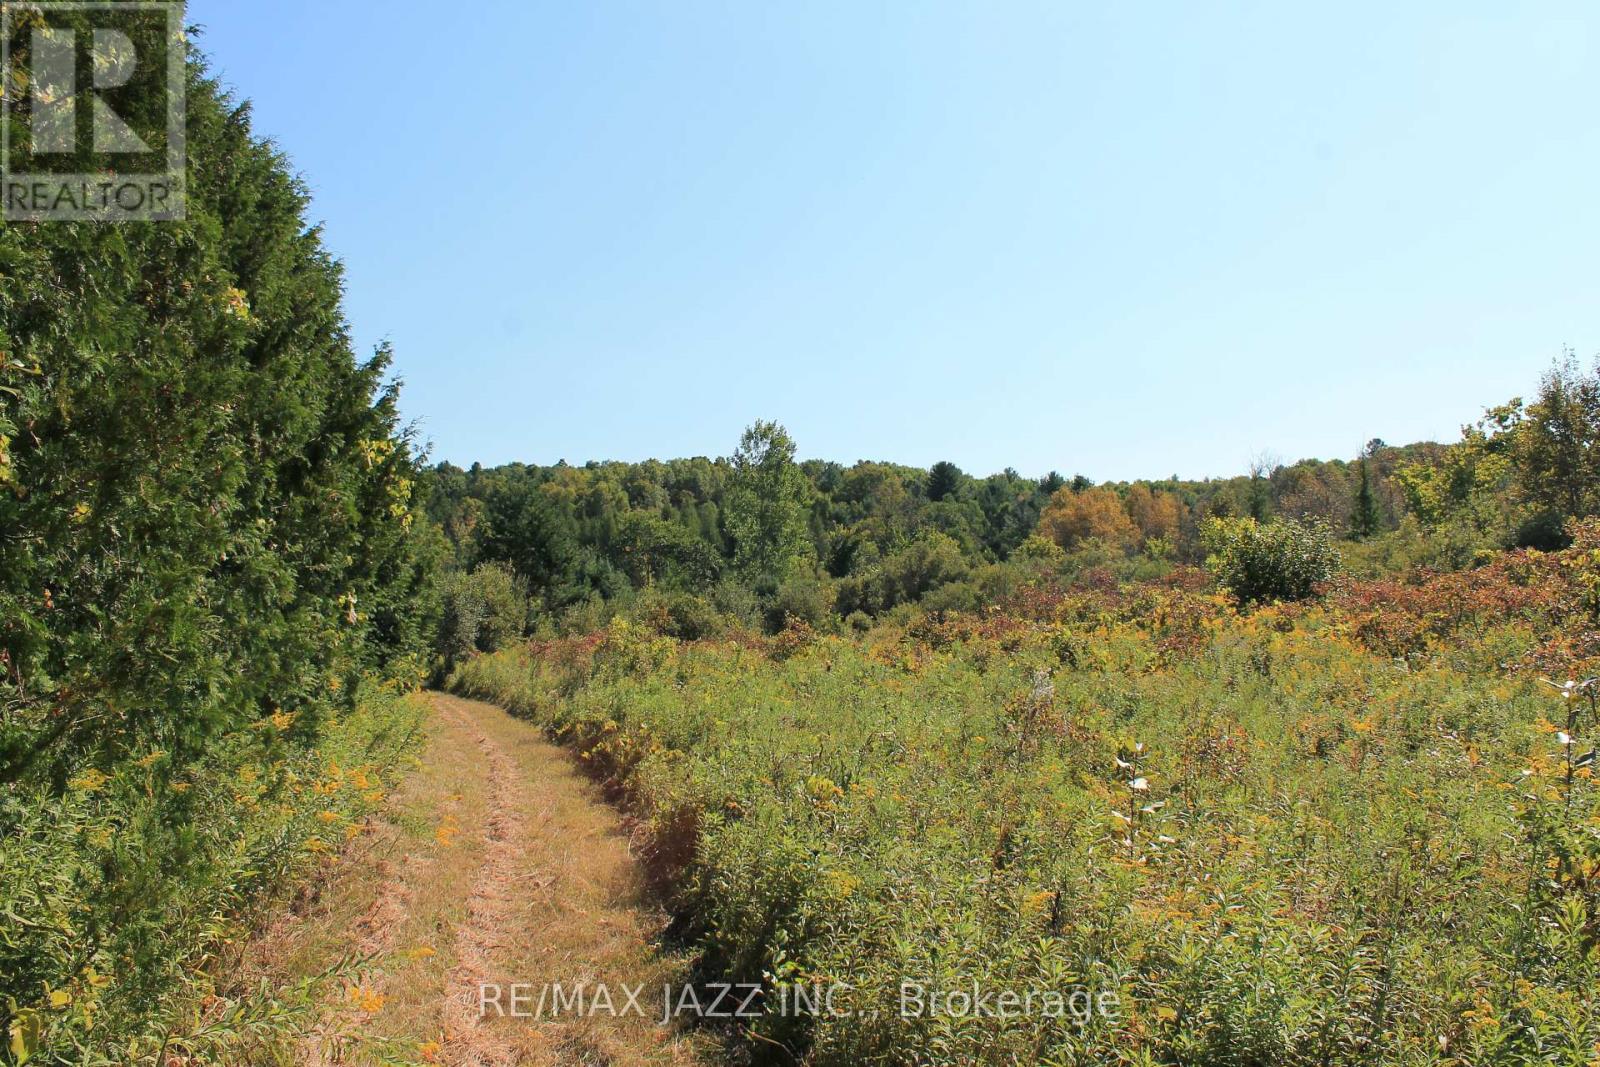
(89,781)
(366,998)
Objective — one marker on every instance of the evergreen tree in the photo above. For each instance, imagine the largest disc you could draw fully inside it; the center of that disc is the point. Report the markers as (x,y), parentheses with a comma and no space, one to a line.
(943,480)
(209,537)
(538,539)
(1259,495)
(1364,517)
(199,470)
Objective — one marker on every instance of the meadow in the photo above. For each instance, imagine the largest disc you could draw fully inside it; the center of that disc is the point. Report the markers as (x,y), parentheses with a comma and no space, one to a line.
(1357,831)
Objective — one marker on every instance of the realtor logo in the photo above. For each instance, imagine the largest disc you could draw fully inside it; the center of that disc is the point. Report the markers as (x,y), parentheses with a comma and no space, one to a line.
(93,125)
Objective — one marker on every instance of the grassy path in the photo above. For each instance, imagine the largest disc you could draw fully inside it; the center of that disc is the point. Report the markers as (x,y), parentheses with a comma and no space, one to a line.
(496,862)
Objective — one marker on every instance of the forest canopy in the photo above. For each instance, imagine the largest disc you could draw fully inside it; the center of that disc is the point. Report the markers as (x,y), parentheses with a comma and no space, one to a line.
(760,538)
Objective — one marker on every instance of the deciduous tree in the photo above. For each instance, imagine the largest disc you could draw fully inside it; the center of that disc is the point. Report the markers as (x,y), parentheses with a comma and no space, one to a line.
(1074,517)
(766,505)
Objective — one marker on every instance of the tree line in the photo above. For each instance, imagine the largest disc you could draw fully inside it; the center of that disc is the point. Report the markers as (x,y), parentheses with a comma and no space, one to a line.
(761,537)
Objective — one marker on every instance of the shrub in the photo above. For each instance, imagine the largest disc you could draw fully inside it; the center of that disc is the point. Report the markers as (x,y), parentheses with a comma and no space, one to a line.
(735,599)
(1544,530)
(120,893)
(932,560)
(955,596)
(805,598)
(505,601)
(1257,562)
(676,614)
(1041,550)
(483,611)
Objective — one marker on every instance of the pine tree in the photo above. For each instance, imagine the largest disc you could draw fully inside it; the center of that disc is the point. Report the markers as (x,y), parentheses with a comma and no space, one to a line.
(943,480)
(1365,520)
(1259,494)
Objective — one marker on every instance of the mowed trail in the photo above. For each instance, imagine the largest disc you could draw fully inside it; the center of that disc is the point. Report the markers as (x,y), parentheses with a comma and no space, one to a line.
(497,863)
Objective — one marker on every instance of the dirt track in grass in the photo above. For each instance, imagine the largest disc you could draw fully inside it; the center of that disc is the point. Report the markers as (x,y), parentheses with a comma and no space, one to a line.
(496,863)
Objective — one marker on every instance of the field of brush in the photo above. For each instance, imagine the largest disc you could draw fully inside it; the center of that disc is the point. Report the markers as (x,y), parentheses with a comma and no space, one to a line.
(1361,832)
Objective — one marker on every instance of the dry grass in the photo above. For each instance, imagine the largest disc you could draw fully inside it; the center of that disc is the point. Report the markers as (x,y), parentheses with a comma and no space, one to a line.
(578,910)
(496,861)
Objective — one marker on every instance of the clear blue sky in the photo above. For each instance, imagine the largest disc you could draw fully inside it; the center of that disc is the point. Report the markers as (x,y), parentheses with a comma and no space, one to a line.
(1122,239)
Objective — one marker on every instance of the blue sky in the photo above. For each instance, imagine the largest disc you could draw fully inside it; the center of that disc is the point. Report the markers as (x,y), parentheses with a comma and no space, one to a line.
(1123,240)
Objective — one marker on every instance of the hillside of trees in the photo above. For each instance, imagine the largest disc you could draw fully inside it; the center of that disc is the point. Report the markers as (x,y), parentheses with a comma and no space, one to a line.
(758,538)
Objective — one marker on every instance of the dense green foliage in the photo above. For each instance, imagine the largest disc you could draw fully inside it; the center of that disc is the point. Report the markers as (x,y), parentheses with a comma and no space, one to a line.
(822,541)
(206,545)
(1518,475)
(766,506)
(1258,562)
(482,610)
